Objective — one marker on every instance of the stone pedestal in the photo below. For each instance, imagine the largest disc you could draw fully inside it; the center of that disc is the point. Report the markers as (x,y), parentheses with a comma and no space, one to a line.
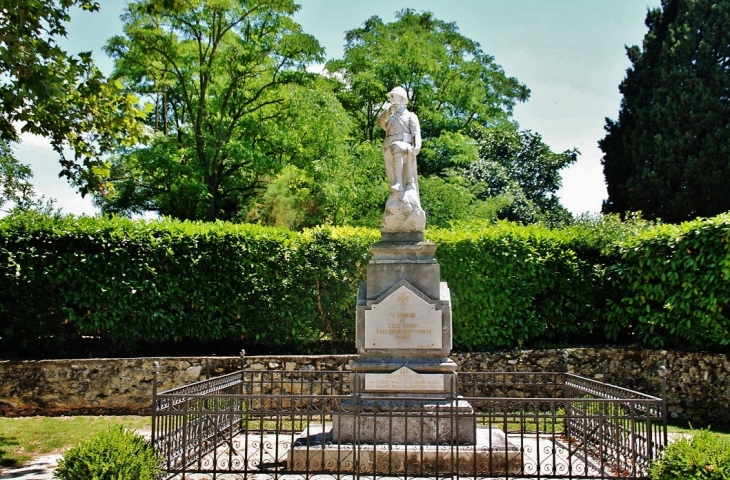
(404,415)
(403,337)
(403,312)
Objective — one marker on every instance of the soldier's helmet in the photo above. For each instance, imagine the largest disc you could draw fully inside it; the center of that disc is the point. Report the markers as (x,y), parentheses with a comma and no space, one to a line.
(398,91)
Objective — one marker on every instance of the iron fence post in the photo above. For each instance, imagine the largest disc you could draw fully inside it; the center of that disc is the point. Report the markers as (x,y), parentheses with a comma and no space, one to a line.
(242,354)
(568,405)
(663,383)
(155,371)
(357,398)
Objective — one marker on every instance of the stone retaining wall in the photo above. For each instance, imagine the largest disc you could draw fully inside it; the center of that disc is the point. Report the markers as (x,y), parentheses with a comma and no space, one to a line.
(698,384)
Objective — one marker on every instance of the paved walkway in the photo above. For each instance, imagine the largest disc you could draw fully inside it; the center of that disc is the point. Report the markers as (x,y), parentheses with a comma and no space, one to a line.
(42,468)
(39,469)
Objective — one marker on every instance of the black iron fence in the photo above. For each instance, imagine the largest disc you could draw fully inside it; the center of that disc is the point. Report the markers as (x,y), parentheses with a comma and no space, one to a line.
(299,424)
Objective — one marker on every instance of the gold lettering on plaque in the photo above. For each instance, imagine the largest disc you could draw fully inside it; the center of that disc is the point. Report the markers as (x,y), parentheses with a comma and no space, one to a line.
(403,320)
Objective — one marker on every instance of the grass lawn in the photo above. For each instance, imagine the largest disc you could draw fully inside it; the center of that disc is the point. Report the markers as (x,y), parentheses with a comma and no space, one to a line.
(720,432)
(22,439)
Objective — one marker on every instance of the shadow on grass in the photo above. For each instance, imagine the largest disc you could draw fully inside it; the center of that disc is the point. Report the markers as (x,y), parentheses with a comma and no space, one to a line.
(6,450)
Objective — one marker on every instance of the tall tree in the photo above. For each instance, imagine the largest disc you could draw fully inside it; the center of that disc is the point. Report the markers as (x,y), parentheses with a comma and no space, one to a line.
(225,76)
(49,92)
(520,168)
(451,82)
(668,154)
(15,177)
(464,101)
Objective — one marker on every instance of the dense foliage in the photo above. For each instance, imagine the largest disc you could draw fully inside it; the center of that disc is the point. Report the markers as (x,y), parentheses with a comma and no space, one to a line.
(136,283)
(211,113)
(518,169)
(514,285)
(701,456)
(668,154)
(113,454)
(15,186)
(670,286)
(48,92)
(232,104)
(129,282)
(451,82)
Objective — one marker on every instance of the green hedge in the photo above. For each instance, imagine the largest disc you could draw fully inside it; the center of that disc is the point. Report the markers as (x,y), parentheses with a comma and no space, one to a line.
(514,286)
(670,286)
(135,283)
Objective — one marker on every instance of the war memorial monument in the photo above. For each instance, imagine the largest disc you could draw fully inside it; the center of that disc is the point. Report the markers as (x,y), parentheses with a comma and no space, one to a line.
(400,409)
(404,383)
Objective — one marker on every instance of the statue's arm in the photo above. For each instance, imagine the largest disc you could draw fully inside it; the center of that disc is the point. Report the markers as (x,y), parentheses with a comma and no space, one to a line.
(383,117)
(415,128)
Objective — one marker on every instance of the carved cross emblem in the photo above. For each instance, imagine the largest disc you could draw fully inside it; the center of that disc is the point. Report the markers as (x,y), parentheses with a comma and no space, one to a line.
(403,298)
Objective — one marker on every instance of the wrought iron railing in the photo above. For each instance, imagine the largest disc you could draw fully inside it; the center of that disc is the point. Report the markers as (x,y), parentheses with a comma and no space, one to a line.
(190,422)
(298,424)
(624,427)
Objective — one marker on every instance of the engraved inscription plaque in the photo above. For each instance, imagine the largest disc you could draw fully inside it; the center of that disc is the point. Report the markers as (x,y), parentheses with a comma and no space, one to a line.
(403,320)
(404,380)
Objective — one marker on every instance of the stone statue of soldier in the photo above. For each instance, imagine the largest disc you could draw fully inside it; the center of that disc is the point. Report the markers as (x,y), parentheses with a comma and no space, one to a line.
(402,141)
(402,144)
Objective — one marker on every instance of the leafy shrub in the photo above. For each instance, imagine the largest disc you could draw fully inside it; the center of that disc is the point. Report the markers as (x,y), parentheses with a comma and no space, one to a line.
(703,456)
(445,201)
(670,285)
(114,454)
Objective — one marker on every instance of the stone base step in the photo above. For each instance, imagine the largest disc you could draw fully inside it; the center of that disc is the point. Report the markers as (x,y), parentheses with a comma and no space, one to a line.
(314,451)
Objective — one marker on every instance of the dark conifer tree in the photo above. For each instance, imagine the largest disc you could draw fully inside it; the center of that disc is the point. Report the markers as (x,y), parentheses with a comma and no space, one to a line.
(668,154)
